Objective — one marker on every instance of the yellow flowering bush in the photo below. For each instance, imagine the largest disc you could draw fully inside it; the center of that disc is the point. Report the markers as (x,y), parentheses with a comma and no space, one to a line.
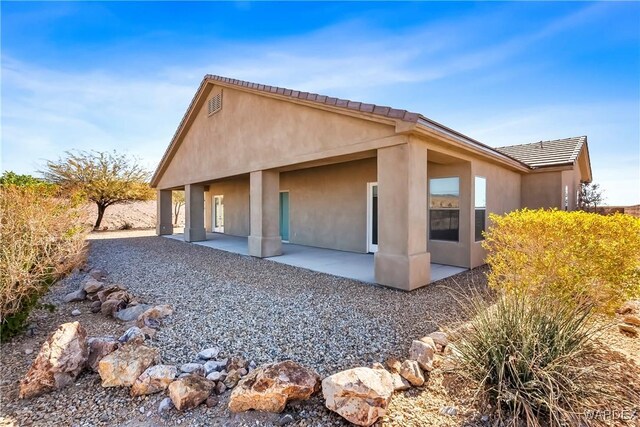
(579,257)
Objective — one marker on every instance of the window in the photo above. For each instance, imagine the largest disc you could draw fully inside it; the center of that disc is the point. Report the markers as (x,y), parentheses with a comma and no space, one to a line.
(215,104)
(444,209)
(481,207)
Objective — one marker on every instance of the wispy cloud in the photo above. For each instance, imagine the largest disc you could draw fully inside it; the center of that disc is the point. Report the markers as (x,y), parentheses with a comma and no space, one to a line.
(46,111)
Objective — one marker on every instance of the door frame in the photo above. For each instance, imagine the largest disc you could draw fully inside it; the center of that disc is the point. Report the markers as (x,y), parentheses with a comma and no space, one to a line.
(288,216)
(213,213)
(370,246)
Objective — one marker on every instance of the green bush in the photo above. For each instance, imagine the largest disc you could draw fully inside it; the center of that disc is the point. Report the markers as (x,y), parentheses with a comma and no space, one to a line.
(536,361)
(42,240)
(579,257)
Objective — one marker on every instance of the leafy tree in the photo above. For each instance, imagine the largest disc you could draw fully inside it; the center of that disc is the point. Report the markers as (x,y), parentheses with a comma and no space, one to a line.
(178,203)
(105,178)
(12,178)
(590,195)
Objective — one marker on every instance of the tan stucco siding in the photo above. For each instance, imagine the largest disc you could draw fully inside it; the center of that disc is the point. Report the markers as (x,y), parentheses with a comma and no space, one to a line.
(236,205)
(253,132)
(542,190)
(503,196)
(328,204)
(570,184)
(454,253)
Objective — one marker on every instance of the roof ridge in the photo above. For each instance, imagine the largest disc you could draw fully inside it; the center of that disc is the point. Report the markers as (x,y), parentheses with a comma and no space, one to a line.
(363,107)
(542,141)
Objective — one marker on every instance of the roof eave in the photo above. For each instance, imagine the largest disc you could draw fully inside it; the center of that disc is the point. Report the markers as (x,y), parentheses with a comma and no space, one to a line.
(470,143)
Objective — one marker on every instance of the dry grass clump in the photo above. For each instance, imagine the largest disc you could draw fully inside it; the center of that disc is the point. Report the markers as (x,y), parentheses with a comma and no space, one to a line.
(42,239)
(538,362)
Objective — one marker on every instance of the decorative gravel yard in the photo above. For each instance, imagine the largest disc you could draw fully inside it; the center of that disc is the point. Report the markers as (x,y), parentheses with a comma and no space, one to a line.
(264,311)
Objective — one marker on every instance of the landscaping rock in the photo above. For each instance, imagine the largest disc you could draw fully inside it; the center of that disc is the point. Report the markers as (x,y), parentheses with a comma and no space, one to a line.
(76,312)
(422,352)
(154,380)
(399,383)
(133,335)
(78,295)
(193,368)
(112,306)
(60,360)
(631,319)
(91,285)
(410,371)
(232,379)
(211,366)
(628,329)
(211,401)
(215,376)
(270,387)
(95,306)
(152,317)
(285,419)
(360,395)
(394,365)
(190,391)
(98,273)
(220,387)
(131,313)
(149,333)
(114,292)
(439,338)
(209,353)
(99,347)
(165,405)
(125,365)
(630,307)
(235,363)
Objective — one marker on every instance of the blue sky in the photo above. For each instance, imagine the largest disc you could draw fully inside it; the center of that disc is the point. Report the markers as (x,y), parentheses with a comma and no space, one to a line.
(120,75)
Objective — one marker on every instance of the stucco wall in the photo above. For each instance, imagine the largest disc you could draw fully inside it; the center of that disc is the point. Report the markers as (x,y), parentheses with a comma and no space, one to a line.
(503,195)
(236,205)
(454,253)
(328,204)
(542,190)
(253,132)
(571,180)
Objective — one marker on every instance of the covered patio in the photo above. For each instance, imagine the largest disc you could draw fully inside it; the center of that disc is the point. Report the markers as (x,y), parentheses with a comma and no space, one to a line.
(352,265)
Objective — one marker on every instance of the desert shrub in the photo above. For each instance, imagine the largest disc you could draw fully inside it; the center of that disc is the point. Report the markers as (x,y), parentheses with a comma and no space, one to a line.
(42,240)
(579,257)
(536,361)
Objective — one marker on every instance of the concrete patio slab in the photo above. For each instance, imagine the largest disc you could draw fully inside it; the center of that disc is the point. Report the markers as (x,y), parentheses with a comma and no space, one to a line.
(351,265)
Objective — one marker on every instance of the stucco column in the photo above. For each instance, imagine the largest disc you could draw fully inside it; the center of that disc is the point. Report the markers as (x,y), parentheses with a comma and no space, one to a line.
(265,240)
(207,211)
(402,260)
(194,213)
(164,219)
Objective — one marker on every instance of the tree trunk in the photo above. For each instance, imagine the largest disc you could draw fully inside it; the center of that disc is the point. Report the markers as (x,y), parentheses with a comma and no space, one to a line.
(176,212)
(101,209)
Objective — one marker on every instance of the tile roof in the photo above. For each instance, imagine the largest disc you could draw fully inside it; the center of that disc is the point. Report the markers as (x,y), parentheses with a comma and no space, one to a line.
(377,110)
(546,153)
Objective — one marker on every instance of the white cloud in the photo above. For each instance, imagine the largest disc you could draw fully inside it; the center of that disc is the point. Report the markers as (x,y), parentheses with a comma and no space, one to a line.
(48,111)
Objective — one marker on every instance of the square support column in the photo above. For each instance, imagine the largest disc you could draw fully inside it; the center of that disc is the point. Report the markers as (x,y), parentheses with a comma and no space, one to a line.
(265,240)
(164,219)
(194,213)
(402,260)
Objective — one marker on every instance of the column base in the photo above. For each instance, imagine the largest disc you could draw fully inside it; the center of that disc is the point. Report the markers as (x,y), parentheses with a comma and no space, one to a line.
(406,272)
(263,247)
(195,234)
(163,230)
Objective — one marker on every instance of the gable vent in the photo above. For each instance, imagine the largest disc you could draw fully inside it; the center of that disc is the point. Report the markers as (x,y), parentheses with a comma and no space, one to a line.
(215,104)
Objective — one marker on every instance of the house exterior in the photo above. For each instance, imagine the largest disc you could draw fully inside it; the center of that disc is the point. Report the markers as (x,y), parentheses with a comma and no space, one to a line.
(276,165)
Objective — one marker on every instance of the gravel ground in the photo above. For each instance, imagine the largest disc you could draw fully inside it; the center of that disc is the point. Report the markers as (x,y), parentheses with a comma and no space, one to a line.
(259,309)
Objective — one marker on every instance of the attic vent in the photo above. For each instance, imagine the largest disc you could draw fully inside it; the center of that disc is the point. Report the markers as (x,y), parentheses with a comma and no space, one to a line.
(215,104)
